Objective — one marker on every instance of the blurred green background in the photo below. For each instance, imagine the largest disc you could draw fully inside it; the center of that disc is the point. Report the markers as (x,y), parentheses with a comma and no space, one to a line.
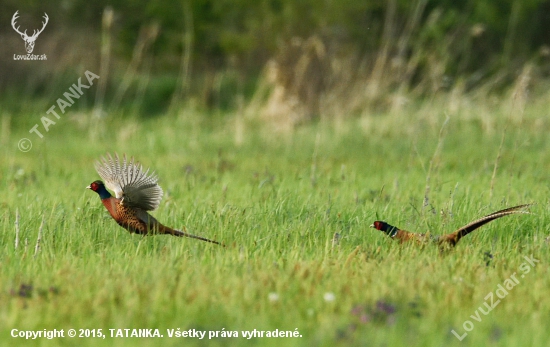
(291,61)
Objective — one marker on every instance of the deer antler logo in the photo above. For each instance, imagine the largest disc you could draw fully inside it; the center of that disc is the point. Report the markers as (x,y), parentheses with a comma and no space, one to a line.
(29,40)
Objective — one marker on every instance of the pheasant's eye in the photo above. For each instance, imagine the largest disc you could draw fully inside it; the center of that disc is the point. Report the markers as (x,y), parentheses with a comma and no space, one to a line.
(94,186)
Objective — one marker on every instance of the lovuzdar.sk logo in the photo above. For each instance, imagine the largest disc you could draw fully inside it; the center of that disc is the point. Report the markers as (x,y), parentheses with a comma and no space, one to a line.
(29,40)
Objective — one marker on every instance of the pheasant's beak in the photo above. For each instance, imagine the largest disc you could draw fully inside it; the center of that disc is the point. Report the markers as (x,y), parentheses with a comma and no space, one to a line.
(371,226)
(89,187)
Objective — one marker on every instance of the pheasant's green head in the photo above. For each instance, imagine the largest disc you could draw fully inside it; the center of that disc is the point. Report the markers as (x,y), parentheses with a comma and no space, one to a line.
(99,188)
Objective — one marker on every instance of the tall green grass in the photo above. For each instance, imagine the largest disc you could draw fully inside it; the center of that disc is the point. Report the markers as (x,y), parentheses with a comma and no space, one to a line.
(277,200)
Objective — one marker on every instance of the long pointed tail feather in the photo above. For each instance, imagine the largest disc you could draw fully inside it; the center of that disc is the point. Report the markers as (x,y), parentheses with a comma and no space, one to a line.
(515,209)
(465,230)
(186,234)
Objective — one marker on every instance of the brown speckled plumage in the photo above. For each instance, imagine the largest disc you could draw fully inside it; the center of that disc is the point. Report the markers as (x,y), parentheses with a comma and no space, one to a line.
(136,192)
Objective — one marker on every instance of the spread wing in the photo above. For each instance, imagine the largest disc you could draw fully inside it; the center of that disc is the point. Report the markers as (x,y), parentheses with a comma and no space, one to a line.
(135,186)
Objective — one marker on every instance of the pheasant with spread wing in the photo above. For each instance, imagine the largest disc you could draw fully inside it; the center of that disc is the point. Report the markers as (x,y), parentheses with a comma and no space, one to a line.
(136,192)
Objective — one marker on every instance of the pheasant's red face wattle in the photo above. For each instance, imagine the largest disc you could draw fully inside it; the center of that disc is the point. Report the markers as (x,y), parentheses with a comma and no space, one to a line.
(95,186)
(377,225)
(99,188)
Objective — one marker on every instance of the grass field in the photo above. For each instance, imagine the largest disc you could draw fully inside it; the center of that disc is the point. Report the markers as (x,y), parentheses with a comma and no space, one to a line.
(277,200)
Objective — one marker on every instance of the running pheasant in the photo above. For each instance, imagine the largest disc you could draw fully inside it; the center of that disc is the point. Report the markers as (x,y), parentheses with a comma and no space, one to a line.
(136,191)
(449,239)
